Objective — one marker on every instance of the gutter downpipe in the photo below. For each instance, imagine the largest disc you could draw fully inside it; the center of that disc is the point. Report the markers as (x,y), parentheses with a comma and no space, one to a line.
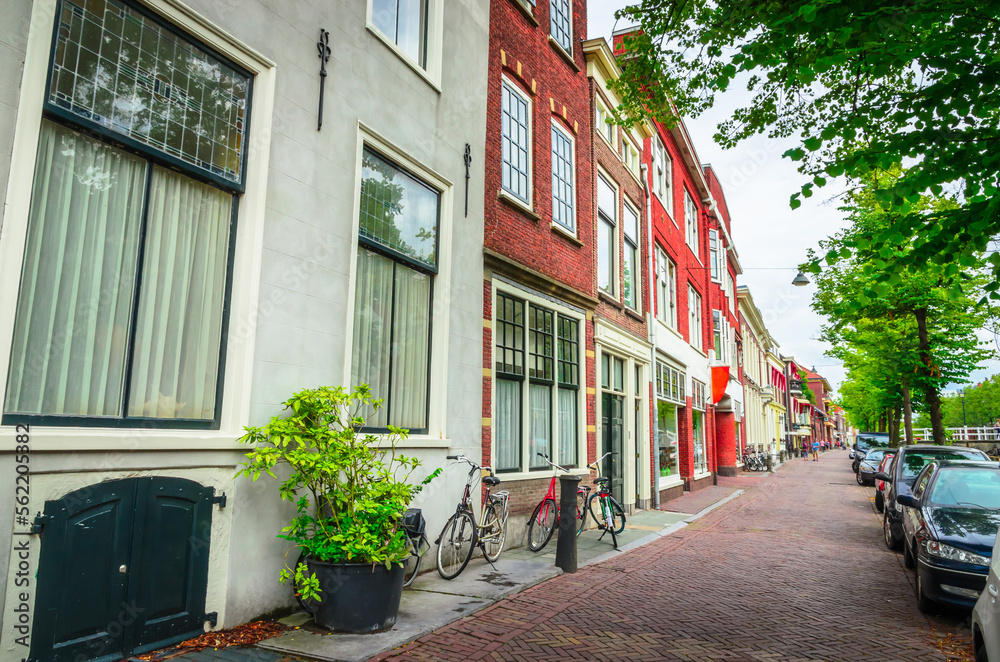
(651,328)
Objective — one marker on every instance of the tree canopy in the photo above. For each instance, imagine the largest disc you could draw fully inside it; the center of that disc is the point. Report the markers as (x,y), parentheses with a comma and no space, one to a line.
(862,85)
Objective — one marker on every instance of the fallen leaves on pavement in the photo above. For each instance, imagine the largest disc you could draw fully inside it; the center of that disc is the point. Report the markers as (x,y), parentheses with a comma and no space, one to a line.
(956,647)
(248,634)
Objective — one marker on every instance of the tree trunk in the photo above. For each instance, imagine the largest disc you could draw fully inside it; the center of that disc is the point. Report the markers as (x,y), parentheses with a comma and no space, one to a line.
(930,392)
(907,412)
(894,425)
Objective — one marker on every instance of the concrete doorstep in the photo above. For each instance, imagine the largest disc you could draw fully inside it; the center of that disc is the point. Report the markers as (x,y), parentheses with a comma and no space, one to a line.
(431,602)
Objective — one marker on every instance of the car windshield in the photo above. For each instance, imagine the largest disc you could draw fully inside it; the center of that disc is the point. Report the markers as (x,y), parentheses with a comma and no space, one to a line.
(914,461)
(874,457)
(967,486)
(864,443)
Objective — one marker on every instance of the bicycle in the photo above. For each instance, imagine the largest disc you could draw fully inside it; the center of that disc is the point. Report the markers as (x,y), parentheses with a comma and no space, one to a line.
(546,516)
(613,516)
(414,526)
(460,535)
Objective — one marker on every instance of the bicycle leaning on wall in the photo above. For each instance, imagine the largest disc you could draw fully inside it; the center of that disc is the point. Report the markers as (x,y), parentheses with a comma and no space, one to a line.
(545,519)
(611,518)
(461,535)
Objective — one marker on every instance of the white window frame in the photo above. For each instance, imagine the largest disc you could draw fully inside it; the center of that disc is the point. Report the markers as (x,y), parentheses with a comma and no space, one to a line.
(603,115)
(632,156)
(572,202)
(516,90)
(530,298)
(695,319)
(691,224)
(430,71)
(615,266)
(666,278)
(628,243)
(244,296)
(568,47)
(713,256)
(662,176)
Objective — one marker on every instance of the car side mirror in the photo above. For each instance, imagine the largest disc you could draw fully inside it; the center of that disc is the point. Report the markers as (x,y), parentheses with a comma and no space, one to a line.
(908,500)
(881,475)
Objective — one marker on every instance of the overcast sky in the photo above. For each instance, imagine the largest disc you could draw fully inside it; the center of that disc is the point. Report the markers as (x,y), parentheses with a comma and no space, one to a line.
(771,239)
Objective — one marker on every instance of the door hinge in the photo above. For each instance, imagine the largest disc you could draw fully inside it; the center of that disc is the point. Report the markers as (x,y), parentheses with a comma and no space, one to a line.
(212,618)
(221,500)
(39,523)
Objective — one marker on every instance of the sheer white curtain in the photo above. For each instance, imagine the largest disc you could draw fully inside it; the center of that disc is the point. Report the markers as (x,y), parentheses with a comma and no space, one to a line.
(507,424)
(179,323)
(540,426)
(411,334)
(372,325)
(567,427)
(71,328)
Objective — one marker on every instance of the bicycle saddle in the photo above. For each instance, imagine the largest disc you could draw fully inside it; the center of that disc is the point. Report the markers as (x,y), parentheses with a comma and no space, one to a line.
(491,481)
(601,481)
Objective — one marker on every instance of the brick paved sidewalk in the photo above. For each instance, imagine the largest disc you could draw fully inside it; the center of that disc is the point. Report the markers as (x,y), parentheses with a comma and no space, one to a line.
(695,502)
(793,570)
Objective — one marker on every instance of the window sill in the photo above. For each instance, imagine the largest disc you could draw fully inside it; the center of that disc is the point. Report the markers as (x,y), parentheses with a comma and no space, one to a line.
(540,474)
(564,53)
(700,475)
(518,204)
(607,298)
(523,6)
(666,482)
(565,234)
(699,350)
(634,314)
(405,58)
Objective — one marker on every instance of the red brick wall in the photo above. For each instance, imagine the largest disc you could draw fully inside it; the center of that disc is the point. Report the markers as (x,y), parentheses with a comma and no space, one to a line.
(725,442)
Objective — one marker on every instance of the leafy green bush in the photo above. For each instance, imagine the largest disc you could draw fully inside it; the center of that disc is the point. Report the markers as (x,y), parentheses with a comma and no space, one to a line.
(351,488)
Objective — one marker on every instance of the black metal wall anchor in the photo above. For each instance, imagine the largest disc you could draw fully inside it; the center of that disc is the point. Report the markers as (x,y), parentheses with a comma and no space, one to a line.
(323,46)
(468,163)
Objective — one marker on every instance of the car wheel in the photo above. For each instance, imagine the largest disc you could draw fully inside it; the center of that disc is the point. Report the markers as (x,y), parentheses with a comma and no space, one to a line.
(979,646)
(891,541)
(908,561)
(860,479)
(879,502)
(924,604)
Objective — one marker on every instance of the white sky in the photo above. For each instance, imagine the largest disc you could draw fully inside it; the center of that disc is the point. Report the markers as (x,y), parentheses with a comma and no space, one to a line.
(771,239)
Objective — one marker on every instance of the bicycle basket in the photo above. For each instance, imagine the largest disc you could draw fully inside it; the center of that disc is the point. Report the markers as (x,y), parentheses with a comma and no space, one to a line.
(414,522)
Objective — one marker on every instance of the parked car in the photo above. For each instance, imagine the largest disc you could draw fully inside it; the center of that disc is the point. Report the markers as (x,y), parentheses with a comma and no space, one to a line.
(986,613)
(905,467)
(864,441)
(880,485)
(869,464)
(950,522)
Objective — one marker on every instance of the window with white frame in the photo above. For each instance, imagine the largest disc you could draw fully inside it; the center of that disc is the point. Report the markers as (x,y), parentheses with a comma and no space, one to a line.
(698,391)
(607,237)
(562,23)
(630,275)
(604,124)
(122,306)
(666,279)
(515,132)
(563,179)
(537,371)
(404,23)
(662,174)
(691,223)
(713,255)
(397,262)
(670,383)
(721,336)
(694,318)
(730,290)
(631,156)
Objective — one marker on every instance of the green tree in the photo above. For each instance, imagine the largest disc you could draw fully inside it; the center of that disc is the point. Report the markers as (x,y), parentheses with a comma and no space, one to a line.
(863,85)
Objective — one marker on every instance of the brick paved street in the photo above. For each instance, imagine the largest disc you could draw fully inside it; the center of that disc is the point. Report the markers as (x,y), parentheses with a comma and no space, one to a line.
(792,570)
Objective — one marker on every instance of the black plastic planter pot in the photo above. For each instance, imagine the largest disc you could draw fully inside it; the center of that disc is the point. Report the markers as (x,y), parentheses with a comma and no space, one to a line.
(358,598)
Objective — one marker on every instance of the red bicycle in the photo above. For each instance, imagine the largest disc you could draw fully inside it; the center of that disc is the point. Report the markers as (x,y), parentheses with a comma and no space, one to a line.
(545,519)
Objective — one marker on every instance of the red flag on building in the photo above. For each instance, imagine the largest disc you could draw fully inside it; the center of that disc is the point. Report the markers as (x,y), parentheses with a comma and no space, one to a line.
(720,378)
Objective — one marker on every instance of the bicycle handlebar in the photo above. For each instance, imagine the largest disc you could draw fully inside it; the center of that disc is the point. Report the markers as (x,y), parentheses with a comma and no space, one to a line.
(551,463)
(594,465)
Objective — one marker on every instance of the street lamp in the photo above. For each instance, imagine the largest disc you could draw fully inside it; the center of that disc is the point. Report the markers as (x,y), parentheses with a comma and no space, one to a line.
(800,280)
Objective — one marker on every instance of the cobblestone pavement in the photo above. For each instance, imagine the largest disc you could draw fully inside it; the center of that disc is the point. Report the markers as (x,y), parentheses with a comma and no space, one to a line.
(793,570)
(695,502)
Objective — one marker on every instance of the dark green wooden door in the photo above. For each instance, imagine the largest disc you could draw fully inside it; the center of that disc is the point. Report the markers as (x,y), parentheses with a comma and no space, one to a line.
(613,426)
(123,569)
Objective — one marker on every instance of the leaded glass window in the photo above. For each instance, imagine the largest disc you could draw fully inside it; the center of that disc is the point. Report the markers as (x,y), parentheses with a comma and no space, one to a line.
(540,344)
(561,29)
(117,67)
(509,336)
(562,180)
(515,129)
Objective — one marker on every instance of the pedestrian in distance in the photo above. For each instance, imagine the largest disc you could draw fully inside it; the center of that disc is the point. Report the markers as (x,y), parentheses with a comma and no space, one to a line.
(815,450)
(805,449)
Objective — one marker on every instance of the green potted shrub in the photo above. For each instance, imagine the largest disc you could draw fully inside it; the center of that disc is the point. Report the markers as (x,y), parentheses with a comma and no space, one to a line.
(351,490)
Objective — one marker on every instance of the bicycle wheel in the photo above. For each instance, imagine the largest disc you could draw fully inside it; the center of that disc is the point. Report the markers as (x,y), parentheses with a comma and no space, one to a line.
(455,545)
(594,501)
(412,564)
(541,525)
(581,511)
(494,537)
(617,516)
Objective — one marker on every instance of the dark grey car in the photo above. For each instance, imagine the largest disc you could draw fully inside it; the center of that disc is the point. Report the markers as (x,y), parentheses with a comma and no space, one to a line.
(869,465)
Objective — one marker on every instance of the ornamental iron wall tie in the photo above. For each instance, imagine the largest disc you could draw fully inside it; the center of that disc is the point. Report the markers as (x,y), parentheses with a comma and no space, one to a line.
(323,46)
(468,162)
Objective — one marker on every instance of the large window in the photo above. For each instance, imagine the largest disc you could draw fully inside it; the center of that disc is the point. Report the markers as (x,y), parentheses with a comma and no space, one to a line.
(698,426)
(563,180)
(666,292)
(121,311)
(630,276)
(547,390)
(607,239)
(713,255)
(604,124)
(630,155)
(666,430)
(694,318)
(397,260)
(562,28)
(515,130)
(721,336)
(691,223)
(404,23)
(662,175)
